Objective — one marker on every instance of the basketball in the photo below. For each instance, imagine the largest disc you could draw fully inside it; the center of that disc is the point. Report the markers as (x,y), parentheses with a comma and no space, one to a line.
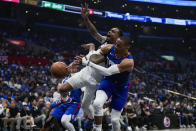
(59,69)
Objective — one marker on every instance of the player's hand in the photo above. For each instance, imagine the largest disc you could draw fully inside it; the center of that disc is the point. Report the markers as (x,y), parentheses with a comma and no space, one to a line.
(74,64)
(69,68)
(88,46)
(84,11)
(83,60)
(78,59)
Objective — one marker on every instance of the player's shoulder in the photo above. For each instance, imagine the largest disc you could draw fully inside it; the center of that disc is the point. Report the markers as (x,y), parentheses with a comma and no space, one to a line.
(126,65)
(128,61)
(109,45)
(106,48)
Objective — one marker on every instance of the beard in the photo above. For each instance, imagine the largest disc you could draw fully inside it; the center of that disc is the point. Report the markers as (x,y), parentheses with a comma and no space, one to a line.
(110,40)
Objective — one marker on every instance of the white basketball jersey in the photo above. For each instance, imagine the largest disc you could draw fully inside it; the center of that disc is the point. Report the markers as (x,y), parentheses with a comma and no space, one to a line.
(92,72)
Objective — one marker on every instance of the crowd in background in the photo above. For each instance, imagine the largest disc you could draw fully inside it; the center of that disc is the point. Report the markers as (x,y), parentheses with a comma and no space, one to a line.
(27,91)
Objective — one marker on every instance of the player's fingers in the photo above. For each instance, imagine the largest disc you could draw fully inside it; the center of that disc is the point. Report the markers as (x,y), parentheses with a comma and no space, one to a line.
(82,6)
(77,63)
(68,67)
(83,45)
(81,56)
(87,6)
(77,57)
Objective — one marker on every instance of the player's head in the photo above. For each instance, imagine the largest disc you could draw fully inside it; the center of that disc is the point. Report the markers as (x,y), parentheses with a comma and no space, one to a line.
(113,35)
(123,43)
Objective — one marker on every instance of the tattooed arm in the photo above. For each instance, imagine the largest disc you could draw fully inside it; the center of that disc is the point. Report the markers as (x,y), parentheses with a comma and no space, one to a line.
(92,29)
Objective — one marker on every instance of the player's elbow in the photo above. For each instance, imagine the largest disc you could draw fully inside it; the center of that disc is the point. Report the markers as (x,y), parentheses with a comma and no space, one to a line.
(95,59)
(108,73)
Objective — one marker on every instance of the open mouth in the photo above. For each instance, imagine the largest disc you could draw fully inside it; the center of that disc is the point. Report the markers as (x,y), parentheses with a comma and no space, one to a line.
(108,36)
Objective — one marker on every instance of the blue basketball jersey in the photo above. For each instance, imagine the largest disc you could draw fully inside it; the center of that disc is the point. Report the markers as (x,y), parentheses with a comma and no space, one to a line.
(116,86)
(111,60)
(70,107)
(55,103)
(74,95)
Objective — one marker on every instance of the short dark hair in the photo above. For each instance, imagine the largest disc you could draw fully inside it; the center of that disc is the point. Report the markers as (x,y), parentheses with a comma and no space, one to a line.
(127,40)
(120,32)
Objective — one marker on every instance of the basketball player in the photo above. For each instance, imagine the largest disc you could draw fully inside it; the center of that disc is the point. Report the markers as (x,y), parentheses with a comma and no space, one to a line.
(115,84)
(112,35)
(84,79)
(72,108)
(88,77)
(64,109)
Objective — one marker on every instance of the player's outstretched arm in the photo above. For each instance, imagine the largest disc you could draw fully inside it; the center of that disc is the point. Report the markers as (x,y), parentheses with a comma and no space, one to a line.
(97,58)
(92,29)
(125,65)
(72,68)
(89,46)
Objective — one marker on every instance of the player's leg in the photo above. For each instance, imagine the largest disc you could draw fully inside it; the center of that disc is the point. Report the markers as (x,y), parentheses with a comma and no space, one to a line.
(51,121)
(65,121)
(64,89)
(72,83)
(119,98)
(72,109)
(101,98)
(115,119)
(55,115)
(88,97)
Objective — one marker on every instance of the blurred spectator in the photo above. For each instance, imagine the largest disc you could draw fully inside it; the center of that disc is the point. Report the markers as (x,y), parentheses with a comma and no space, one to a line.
(187,116)
(12,115)
(24,116)
(36,113)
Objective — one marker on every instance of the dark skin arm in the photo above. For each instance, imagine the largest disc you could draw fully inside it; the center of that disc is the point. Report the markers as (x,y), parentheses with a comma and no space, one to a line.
(90,46)
(92,29)
(100,58)
(97,58)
